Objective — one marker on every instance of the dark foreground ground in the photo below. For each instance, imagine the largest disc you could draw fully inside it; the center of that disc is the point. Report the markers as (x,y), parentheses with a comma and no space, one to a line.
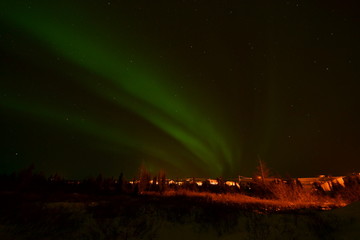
(74,216)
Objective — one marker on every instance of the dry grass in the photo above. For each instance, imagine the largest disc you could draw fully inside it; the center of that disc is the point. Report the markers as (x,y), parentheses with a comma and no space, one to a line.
(286,202)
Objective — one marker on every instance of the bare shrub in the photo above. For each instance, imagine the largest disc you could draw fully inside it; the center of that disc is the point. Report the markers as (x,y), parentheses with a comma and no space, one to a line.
(144,180)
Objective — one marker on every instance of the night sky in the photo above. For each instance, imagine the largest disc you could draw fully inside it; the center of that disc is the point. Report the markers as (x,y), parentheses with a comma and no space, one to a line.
(195,88)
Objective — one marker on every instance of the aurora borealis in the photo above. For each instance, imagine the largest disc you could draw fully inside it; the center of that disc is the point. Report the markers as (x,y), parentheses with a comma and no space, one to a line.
(193,88)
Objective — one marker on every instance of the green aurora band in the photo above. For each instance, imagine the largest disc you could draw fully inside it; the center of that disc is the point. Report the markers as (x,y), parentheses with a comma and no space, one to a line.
(134,87)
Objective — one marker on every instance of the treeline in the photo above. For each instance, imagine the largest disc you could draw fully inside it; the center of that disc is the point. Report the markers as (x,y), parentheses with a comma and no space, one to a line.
(273,188)
(28,180)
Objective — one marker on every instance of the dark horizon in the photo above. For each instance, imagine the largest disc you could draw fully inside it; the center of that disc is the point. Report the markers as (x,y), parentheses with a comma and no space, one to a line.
(196,89)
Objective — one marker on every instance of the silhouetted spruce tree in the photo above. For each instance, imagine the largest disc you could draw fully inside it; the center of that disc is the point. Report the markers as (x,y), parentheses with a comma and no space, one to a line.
(25,178)
(120,183)
(220,185)
(162,181)
(99,183)
(206,186)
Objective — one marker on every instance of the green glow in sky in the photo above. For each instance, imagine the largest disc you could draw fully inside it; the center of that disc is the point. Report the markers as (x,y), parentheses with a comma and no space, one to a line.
(178,117)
